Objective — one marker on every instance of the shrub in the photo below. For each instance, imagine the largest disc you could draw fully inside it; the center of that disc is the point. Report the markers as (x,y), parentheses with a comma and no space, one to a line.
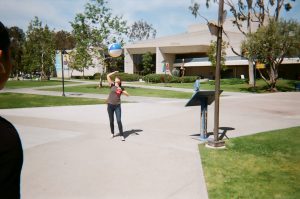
(175,79)
(124,76)
(154,78)
(128,77)
(231,81)
(175,72)
(97,76)
(147,63)
(161,78)
(85,77)
(189,79)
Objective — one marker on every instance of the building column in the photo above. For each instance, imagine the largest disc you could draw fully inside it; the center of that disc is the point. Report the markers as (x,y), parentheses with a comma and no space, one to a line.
(170,58)
(128,62)
(159,61)
(160,57)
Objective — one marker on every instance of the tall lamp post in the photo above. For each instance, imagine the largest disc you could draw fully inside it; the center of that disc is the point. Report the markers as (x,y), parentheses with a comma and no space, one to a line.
(218,32)
(63,52)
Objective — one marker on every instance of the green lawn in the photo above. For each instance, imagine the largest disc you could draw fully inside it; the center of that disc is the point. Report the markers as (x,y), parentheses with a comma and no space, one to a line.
(15,100)
(131,90)
(265,165)
(233,85)
(32,83)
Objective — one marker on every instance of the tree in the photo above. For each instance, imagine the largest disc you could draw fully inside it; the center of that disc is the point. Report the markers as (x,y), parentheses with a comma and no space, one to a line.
(249,12)
(141,30)
(105,28)
(48,52)
(64,40)
(17,37)
(147,63)
(81,31)
(212,54)
(94,30)
(39,51)
(271,44)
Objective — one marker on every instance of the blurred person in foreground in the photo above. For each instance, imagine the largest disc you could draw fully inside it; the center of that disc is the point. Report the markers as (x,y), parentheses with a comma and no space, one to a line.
(11,152)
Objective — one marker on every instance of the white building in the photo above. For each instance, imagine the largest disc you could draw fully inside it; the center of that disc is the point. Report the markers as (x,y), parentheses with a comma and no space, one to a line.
(190,49)
(69,72)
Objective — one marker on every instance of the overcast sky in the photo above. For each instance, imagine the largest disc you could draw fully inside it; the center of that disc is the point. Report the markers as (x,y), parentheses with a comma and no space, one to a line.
(167,16)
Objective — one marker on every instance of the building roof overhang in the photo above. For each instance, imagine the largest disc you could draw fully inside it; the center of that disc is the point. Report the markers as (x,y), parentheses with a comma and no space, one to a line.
(184,39)
(170,49)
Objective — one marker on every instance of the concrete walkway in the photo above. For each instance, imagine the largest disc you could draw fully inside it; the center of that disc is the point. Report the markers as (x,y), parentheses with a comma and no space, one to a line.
(69,152)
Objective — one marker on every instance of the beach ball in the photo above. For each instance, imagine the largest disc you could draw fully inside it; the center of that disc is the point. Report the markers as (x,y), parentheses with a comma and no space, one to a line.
(115,50)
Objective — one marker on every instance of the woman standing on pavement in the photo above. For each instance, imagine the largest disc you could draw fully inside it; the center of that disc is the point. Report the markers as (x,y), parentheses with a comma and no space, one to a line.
(114,103)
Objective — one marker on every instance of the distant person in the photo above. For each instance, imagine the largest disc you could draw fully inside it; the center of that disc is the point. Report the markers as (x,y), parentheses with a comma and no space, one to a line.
(11,152)
(182,69)
(114,103)
(197,85)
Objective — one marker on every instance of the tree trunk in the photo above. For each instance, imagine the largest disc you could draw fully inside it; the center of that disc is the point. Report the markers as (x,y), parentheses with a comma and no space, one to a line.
(251,73)
(42,72)
(273,86)
(263,77)
(83,73)
(101,81)
(18,78)
(101,75)
(273,78)
(250,60)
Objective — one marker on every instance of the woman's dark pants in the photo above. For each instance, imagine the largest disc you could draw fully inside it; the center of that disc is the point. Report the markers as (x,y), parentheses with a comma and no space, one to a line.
(117,109)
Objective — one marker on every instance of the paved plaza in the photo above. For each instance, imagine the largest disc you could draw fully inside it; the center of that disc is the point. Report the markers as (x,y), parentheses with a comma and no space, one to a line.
(68,152)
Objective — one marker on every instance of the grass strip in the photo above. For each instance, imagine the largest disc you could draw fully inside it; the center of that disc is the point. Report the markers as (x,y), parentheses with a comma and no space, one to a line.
(232,85)
(14,84)
(16,100)
(265,165)
(131,90)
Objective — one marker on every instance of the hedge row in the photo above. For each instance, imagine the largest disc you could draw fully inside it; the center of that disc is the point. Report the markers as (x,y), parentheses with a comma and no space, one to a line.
(153,78)
(124,76)
(161,78)
(231,81)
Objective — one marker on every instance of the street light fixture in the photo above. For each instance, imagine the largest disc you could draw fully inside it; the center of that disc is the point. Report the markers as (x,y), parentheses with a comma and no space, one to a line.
(213,28)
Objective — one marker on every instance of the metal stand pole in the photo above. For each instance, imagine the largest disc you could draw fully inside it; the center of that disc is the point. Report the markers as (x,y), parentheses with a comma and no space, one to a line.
(203,126)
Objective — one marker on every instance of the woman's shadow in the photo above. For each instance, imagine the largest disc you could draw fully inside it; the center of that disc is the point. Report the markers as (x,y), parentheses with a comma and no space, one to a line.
(132,131)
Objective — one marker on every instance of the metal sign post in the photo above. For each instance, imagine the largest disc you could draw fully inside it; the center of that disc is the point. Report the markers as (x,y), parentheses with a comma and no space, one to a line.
(216,143)
(202,99)
(203,116)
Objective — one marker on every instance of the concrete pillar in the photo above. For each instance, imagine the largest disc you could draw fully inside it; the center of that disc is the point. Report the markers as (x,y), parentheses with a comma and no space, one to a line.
(159,61)
(170,58)
(160,57)
(128,62)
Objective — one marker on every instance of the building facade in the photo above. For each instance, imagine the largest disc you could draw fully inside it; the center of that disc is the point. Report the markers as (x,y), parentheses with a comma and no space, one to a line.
(189,51)
(69,72)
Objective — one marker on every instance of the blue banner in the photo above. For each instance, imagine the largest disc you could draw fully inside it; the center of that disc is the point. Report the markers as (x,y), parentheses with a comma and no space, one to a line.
(58,61)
